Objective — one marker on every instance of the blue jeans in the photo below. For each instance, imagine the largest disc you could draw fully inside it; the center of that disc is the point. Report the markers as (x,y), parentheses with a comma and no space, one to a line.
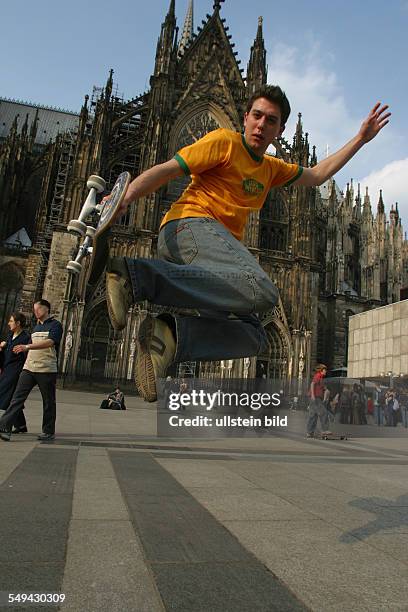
(317,409)
(202,266)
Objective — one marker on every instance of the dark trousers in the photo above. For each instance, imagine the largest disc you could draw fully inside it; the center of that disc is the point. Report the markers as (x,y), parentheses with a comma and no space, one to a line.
(8,383)
(46,382)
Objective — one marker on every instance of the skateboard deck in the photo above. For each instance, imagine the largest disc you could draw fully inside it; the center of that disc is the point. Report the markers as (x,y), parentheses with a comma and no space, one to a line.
(100,250)
(330,436)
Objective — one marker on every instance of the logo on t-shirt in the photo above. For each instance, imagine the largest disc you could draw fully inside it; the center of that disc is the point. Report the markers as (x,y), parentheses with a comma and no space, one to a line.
(252,187)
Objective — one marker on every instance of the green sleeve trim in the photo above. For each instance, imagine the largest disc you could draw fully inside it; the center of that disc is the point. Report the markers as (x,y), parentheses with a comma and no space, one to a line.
(295,178)
(183,164)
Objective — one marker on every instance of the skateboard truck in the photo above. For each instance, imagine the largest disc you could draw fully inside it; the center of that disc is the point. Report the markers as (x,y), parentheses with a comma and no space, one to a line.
(95,238)
(95,184)
(75,266)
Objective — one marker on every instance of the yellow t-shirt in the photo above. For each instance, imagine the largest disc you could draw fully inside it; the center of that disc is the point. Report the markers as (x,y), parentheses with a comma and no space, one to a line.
(228,180)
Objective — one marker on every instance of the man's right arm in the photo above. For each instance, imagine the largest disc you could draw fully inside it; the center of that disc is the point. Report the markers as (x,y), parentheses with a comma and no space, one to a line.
(150,181)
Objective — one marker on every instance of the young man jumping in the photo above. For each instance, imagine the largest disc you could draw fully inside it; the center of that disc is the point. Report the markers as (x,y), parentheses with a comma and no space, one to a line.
(202,263)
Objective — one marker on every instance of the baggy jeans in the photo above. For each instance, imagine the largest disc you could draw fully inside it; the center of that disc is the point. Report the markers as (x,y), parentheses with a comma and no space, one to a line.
(317,409)
(202,266)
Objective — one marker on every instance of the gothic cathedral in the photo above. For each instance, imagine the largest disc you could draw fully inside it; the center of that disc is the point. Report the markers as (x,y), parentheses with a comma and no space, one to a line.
(328,254)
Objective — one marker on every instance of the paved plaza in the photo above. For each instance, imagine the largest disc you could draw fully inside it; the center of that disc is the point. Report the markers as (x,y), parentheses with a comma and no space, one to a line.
(118,519)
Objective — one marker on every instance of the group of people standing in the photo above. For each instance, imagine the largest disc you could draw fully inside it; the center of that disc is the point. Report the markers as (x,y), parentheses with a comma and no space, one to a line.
(352,405)
(27,361)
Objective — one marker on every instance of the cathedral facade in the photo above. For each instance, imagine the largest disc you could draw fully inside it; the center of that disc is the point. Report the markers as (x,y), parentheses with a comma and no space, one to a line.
(328,253)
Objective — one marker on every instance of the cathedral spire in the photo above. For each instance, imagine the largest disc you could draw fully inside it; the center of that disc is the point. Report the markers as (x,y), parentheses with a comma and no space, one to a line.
(188,29)
(217,5)
(172,9)
(109,85)
(299,126)
(394,214)
(34,128)
(348,196)
(166,42)
(83,117)
(380,205)
(357,207)
(367,205)
(313,159)
(24,129)
(257,69)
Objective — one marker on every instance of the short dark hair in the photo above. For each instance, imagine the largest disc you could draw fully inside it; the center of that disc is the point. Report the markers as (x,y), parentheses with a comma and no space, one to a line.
(44,303)
(274,94)
(19,317)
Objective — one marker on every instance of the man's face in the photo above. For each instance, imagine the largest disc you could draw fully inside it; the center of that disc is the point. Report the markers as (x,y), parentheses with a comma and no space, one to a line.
(262,125)
(40,311)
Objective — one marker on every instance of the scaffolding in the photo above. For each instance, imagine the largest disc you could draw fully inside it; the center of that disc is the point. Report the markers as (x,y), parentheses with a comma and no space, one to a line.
(54,210)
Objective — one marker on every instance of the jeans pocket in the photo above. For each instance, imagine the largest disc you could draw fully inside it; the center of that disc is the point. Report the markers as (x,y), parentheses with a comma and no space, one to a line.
(177,243)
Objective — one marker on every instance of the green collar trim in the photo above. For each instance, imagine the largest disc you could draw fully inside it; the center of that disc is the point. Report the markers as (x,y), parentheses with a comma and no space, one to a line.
(254,156)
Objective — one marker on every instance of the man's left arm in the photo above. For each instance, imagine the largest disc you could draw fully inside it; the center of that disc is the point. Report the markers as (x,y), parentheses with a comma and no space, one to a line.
(54,338)
(376,120)
(24,348)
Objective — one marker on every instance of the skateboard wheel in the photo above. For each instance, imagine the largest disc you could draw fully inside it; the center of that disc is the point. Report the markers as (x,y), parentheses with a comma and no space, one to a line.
(90,231)
(97,183)
(77,227)
(74,267)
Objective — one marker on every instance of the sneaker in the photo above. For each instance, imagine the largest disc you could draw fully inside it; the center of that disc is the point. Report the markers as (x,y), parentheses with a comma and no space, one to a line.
(46,437)
(156,350)
(5,435)
(18,430)
(310,435)
(119,294)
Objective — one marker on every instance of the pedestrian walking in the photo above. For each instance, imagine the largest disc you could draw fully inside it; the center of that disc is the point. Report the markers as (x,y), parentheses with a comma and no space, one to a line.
(40,368)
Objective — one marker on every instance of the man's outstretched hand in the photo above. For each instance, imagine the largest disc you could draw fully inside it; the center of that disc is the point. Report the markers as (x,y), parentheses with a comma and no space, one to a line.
(375,121)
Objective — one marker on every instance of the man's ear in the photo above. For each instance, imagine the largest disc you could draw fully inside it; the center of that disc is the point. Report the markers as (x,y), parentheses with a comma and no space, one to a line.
(245,119)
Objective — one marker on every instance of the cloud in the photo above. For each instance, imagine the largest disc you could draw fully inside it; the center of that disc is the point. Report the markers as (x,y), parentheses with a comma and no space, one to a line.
(314,90)
(392,179)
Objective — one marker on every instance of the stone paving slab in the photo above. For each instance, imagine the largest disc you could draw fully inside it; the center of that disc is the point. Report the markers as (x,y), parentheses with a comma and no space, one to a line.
(36,502)
(11,456)
(326,573)
(44,470)
(242,524)
(105,568)
(97,500)
(231,588)
(109,573)
(197,563)
(34,577)
(204,474)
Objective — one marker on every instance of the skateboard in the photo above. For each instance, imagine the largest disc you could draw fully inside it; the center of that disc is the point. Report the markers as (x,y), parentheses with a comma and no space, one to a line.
(330,436)
(95,241)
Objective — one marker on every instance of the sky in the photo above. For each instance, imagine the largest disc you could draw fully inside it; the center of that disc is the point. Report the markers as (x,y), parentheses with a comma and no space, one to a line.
(334,59)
